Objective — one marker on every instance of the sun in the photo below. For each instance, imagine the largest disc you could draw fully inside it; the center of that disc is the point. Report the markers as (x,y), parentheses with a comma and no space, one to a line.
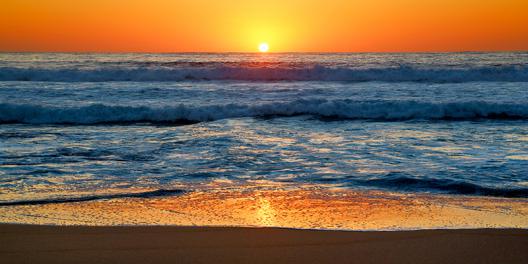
(263,47)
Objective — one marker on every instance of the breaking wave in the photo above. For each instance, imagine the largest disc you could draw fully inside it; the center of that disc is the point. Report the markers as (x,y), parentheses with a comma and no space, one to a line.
(403,73)
(338,109)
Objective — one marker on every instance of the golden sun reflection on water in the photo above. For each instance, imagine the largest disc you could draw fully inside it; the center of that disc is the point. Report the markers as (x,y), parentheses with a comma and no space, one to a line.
(311,208)
(265,212)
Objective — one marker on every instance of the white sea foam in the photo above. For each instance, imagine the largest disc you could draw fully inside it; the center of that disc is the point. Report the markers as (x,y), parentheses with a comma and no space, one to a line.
(402,73)
(105,161)
(341,109)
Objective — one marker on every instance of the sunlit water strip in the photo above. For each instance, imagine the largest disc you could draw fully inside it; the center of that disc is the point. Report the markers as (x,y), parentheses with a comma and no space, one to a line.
(311,208)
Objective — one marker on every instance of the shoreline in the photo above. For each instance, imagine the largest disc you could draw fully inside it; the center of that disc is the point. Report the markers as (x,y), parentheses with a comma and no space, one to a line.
(174,244)
(299,209)
(425,229)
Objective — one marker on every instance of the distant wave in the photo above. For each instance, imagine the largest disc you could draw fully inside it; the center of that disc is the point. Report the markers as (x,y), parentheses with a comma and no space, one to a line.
(400,182)
(149,194)
(185,114)
(403,73)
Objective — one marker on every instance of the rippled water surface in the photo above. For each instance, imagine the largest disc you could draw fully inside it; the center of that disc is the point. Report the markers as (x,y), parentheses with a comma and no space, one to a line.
(87,125)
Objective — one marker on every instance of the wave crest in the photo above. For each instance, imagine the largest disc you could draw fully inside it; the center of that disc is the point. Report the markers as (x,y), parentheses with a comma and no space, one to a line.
(403,73)
(185,114)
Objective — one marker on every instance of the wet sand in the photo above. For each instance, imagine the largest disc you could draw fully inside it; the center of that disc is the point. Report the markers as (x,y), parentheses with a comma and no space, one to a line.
(303,209)
(61,244)
(461,229)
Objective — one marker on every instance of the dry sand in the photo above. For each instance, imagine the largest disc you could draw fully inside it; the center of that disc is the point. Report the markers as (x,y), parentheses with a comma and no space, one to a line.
(62,244)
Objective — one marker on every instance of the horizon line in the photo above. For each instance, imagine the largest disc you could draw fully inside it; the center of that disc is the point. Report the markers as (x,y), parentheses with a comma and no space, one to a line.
(263,53)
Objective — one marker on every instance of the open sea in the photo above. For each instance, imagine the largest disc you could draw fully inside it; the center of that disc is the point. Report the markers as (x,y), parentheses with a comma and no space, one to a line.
(79,127)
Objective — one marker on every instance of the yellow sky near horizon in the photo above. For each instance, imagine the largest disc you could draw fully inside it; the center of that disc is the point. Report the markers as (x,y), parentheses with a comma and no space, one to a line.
(240,25)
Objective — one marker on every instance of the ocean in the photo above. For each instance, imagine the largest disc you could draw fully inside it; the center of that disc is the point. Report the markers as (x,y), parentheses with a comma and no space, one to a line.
(80,127)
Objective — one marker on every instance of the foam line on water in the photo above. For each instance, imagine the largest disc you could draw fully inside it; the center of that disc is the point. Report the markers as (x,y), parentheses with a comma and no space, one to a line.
(383,110)
(149,194)
(401,73)
(398,182)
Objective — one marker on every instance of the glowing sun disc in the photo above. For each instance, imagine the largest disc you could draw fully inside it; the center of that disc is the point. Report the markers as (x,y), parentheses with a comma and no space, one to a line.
(263,47)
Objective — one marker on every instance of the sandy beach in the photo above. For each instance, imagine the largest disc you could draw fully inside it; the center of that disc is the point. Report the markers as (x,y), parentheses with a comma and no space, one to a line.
(243,131)
(68,244)
(273,226)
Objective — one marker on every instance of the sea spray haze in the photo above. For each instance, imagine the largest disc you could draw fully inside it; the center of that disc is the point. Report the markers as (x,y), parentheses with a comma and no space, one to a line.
(77,124)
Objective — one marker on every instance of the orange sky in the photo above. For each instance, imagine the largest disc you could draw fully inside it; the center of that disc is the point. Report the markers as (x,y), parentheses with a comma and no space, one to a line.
(240,25)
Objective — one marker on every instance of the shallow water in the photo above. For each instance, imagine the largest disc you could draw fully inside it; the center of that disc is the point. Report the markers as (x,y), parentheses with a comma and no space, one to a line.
(80,126)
